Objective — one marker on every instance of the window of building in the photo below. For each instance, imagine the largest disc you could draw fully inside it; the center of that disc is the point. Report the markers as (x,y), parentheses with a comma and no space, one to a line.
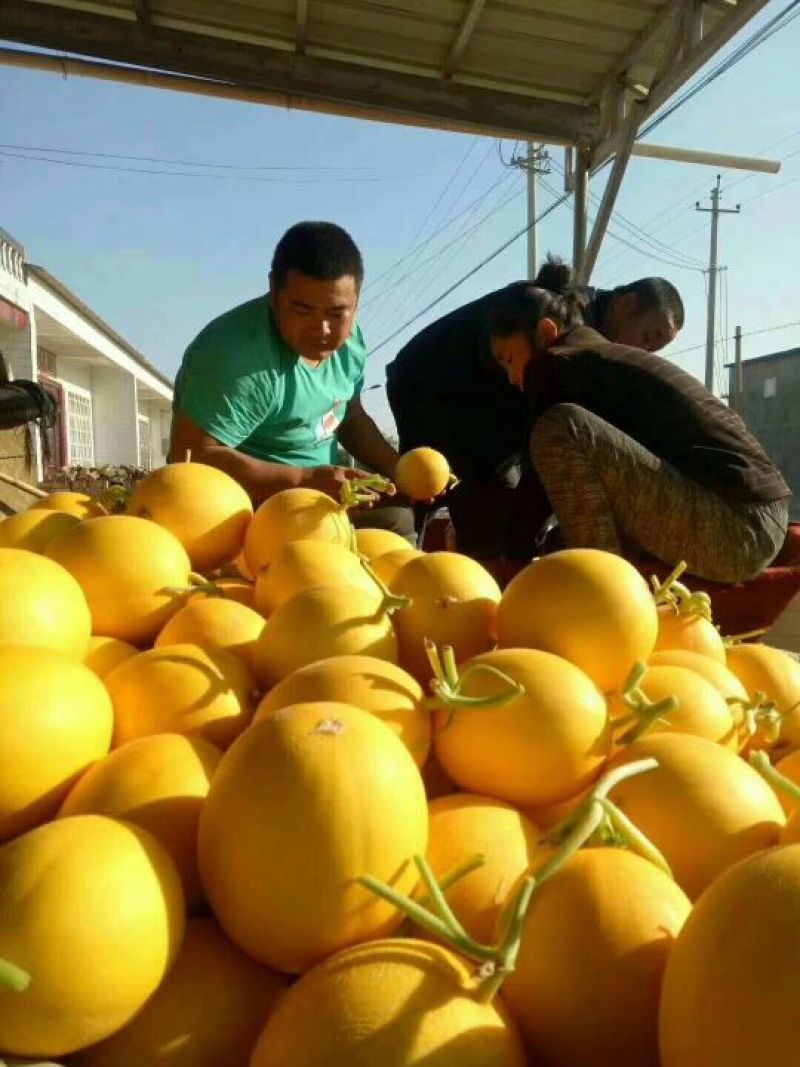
(80,426)
(770,387)
(145,450)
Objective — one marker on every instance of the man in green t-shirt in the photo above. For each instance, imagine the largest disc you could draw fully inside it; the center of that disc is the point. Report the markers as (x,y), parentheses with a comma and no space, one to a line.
(268,391)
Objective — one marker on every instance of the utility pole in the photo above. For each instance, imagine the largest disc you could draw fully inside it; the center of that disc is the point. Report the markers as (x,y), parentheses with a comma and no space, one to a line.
(536,161)
(738,384)
(713,270)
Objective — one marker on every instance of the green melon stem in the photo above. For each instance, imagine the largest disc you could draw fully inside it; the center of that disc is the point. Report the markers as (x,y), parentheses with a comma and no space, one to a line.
(450,666)
(455,874)
(437,897)
(672,593)
(13,977)
(499,960)
(392,602)
(737,639)
(779,782)
(447,684)
(493,975)
(424,917)
(631,837)
(197,584)
(357,491)
(661,590)
(649,715)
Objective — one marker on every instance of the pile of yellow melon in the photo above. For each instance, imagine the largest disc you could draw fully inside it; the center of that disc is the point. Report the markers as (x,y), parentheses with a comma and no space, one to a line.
(278,793)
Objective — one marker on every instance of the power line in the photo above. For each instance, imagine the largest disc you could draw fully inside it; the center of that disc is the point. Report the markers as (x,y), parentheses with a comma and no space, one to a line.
(751,333)
(182,162)
(190,174)
(428,216)
(488,259)
(776,23)
(415,267)
(642,235)
(431,237)
(422,285)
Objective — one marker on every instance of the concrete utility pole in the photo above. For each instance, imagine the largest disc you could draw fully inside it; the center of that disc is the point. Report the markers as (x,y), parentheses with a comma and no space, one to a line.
(713,270)
(535,162)
(738,384)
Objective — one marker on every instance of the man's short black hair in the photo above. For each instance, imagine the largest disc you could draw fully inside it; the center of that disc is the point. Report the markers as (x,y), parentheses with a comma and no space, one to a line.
(655,294)
(320,250)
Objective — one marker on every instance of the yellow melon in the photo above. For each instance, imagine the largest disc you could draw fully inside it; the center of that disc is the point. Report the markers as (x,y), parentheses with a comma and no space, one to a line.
(34,530)
(56,719)
(304,803)
(92,909)
(41,605)
(182,689)
(158,783)
(206,509)
(129,570)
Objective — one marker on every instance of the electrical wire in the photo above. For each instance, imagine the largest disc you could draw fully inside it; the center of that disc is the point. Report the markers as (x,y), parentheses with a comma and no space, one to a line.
(642,235)
(441,269)
(750,333)
(431,237)
(181,162)
(470,273)
(191,174)
(431,212)
(778,22)
(415,267)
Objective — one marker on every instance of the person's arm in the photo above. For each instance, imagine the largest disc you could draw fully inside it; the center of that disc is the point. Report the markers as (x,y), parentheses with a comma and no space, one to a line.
(359,435)
(259,478)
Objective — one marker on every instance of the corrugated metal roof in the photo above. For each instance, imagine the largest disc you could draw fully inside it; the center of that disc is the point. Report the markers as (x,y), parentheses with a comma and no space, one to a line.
(555,70)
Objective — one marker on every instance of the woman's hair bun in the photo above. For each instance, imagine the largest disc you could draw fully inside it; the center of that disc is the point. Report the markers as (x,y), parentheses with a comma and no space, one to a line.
(554,275)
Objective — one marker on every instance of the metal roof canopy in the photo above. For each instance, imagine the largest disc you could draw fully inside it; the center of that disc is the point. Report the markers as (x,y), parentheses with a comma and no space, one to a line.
(586,73)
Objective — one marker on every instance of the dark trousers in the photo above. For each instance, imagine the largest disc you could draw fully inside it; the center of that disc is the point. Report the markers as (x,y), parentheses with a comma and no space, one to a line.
(607,491)
(386,515)
(610,492)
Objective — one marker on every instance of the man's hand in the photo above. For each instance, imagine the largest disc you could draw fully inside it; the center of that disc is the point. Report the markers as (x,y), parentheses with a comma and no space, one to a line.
(331,480)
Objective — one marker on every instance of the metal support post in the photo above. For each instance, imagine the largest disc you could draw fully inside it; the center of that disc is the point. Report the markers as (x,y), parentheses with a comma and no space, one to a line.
(620,165)
(581,208)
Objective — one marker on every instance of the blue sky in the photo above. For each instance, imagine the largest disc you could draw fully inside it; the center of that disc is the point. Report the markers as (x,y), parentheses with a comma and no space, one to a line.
(159,255)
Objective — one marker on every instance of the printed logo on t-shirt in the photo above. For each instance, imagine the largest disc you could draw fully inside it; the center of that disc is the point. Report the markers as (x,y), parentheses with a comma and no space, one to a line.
(328,424)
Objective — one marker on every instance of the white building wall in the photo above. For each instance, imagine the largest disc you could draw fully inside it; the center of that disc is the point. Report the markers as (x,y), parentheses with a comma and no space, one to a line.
(155,421)
(74,372)
(115,409)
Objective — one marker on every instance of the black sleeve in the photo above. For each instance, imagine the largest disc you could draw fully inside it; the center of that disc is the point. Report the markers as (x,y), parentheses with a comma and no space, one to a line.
(22,402)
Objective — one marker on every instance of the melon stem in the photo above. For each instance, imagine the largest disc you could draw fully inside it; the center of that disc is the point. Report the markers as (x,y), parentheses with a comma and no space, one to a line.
(672,593)
(447,685)
(779,782)
(455,874)
(632,838)
(392,602)
(13,977)
(736,639)
(437,897)
(427,919)
(649,715)
(356,491)
(498,960)
(197,584)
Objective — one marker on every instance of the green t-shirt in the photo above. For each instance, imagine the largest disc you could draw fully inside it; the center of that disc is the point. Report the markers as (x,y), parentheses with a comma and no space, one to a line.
(242,384)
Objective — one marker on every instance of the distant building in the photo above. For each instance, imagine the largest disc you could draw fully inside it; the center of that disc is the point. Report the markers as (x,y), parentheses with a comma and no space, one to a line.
(114,406)
(770,405)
